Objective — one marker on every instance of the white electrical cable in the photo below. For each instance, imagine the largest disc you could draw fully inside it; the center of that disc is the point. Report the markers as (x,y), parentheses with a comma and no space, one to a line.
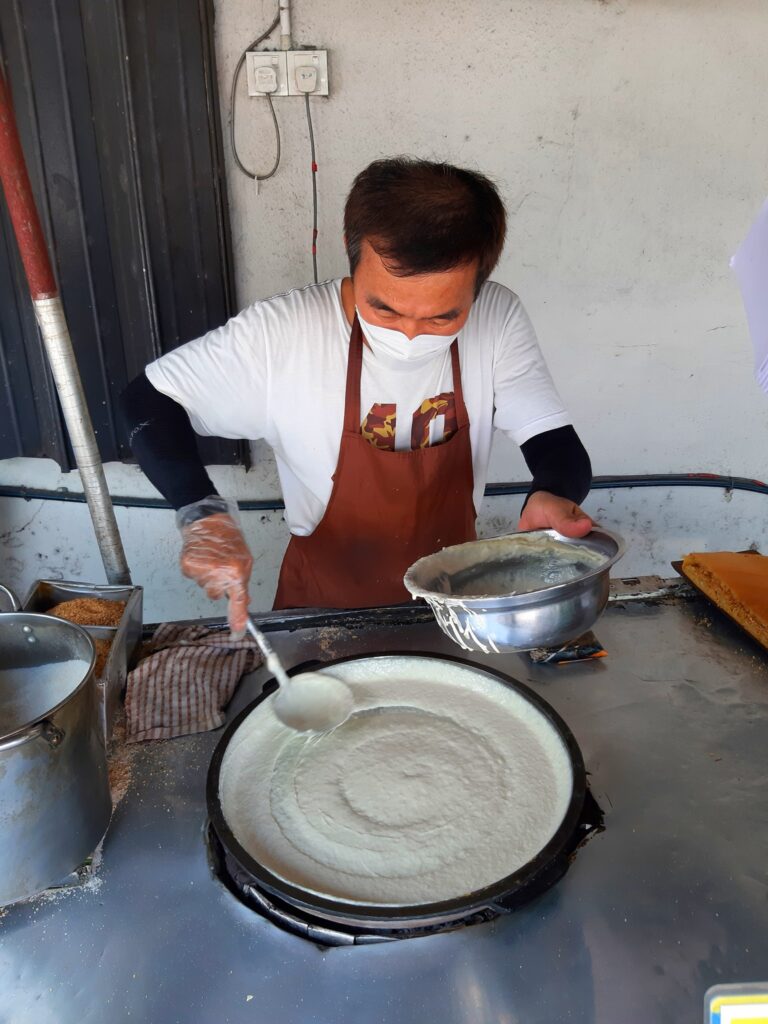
(232,100)
(285,24)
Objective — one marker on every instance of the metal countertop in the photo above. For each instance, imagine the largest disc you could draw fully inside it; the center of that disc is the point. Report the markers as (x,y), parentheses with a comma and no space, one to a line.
(670,899)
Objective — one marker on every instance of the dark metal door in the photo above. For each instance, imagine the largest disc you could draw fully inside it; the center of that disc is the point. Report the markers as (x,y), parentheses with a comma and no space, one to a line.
(118,113)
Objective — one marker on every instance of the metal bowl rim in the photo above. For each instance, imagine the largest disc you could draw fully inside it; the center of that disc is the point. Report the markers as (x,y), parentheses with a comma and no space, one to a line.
(356,911)
(48,619)
(503,602)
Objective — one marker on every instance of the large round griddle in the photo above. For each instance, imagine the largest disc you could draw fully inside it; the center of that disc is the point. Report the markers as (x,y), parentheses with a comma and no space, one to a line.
(501,895)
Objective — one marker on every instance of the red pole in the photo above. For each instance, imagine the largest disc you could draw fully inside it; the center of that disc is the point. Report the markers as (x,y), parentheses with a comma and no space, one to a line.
(21,203)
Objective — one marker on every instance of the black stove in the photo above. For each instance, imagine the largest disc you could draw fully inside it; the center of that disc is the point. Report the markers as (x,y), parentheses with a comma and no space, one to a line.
(322,931)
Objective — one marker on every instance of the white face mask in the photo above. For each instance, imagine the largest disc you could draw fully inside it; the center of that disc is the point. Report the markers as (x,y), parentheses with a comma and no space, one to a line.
(396,345)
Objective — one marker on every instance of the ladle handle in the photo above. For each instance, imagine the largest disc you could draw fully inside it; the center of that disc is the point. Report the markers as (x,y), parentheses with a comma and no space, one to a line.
(264,645)
(272,661)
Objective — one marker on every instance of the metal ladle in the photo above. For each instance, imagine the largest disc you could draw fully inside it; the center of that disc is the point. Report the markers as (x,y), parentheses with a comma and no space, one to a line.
(308,702)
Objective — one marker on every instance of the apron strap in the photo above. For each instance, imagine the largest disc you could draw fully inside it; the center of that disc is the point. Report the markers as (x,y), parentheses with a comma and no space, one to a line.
(462,417)
(352,418)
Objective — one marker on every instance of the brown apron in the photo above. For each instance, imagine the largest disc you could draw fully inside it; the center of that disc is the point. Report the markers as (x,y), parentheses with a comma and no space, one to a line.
(386,510)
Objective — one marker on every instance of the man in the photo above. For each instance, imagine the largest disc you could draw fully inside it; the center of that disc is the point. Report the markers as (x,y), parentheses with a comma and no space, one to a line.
(379,394)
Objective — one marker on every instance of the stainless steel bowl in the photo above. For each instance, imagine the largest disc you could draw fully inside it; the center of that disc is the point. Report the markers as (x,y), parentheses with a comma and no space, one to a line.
(514,593)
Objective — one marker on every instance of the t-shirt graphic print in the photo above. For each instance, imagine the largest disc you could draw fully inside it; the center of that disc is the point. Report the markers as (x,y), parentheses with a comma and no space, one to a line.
(432,423)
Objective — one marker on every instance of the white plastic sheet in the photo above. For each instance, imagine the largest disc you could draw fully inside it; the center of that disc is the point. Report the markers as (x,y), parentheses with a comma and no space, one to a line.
(750,264)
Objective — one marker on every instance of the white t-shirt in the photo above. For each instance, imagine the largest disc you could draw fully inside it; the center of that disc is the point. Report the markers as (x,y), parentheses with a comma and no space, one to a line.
(277,371)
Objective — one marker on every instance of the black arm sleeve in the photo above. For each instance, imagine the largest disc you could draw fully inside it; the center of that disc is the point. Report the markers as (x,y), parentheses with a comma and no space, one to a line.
(164,443)
(559,463)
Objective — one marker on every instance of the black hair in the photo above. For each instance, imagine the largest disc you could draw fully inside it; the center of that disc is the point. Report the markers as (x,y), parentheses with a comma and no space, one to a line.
(423,217)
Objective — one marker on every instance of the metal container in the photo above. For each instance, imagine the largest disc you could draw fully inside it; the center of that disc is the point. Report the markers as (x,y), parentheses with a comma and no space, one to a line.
(124,637)
(8,600)
(464,586)
(54,791)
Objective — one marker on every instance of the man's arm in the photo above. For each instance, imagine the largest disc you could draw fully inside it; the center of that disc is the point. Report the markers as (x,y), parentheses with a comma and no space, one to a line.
(530,411)
(214,552)
(164,443)
(562,474)
(559,463)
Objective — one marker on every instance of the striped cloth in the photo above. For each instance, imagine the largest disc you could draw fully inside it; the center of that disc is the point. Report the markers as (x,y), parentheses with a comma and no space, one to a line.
(185,683)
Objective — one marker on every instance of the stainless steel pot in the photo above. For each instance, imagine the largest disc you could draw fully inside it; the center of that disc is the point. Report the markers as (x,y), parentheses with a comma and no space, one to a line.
(464,587)
(55,803)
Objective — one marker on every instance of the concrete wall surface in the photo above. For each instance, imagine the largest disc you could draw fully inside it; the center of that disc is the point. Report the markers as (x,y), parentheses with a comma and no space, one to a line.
(628,139)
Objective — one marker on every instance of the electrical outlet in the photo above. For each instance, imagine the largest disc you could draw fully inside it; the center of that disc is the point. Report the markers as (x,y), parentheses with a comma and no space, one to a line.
(316,59)
(259,81)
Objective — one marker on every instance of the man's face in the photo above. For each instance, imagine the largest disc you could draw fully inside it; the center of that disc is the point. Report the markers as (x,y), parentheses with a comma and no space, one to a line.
(421,304)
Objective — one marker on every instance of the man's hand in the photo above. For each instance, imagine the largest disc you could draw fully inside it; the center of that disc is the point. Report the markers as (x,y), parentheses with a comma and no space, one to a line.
(214,554)
(546,511)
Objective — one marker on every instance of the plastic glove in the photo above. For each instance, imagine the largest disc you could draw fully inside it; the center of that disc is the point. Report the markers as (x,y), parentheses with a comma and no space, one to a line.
(215,555)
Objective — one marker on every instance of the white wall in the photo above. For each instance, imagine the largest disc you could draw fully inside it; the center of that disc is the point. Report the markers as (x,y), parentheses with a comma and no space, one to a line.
(629,141)
(628,138)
